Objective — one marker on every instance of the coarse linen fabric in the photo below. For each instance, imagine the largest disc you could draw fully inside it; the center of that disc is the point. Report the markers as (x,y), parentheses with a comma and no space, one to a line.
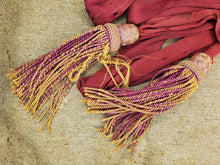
(187,134)
(197,23)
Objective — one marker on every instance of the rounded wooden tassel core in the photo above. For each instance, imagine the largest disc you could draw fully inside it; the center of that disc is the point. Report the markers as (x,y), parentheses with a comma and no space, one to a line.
(199,64)
(122,35)
(203,60)
(129,34)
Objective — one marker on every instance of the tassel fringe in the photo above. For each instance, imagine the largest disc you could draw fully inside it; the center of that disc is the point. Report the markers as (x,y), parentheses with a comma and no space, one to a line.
(129,113)
(50,77)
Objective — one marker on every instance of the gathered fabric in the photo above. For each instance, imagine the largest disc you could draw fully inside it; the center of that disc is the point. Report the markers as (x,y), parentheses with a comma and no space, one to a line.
(195,23)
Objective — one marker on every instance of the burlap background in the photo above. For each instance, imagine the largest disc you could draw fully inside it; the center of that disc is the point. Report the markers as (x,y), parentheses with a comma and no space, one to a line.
(187,134)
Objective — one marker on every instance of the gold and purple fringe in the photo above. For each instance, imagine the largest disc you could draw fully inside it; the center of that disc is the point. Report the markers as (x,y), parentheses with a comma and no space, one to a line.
(129,113)
(51,76)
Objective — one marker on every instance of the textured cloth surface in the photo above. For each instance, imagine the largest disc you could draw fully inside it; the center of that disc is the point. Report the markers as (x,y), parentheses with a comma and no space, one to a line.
(186,134)
(157,21)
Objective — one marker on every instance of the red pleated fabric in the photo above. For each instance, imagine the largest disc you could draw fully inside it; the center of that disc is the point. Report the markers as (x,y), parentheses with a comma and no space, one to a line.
(196,22)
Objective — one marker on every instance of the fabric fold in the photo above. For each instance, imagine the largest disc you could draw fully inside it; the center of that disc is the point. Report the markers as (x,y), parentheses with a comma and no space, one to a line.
(104,11)
(196,23)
